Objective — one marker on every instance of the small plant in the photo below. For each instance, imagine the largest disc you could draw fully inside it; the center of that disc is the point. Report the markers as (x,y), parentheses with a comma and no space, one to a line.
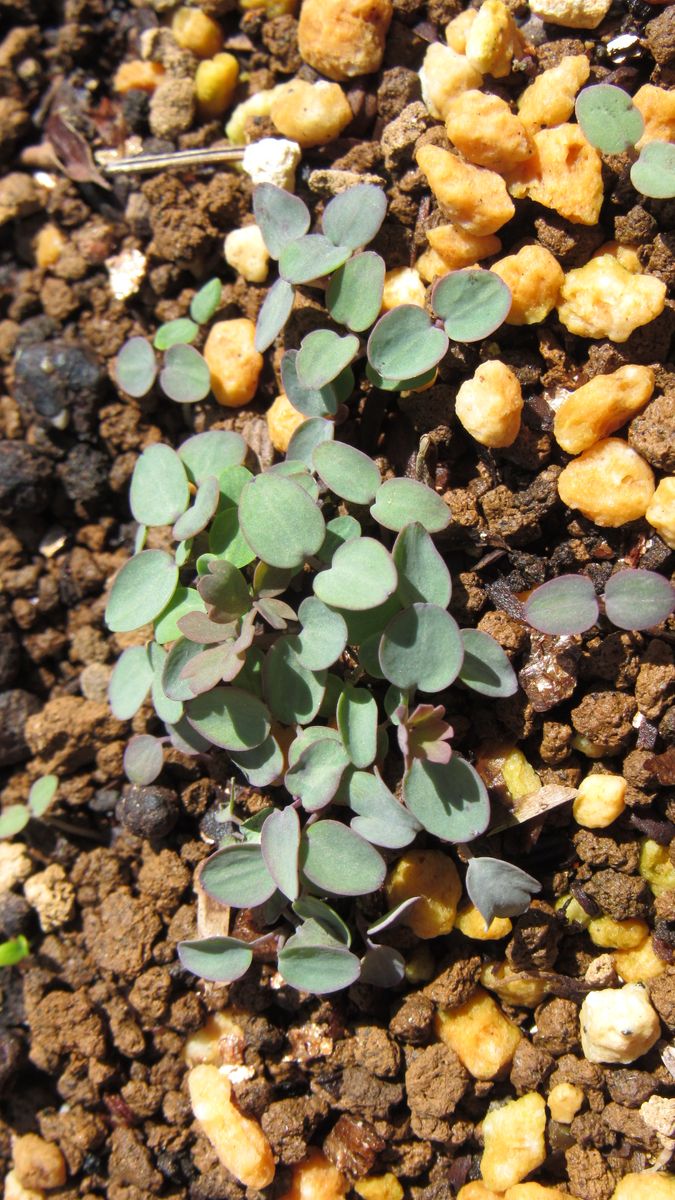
(633,599)
(14,951)
(287,634)
(184,375)
(612,123)
(15,817)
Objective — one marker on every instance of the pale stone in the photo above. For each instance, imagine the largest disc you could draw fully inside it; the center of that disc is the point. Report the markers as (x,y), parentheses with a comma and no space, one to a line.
(573,14)
(444,74)
(272,160)
(610,484)
(564,173)
(514,1141)
(661,511)
(535,278)
(486,132)
(602,406)
(233,361)
(238,1140)
(246,252)
(490,403)
(549,100)
(604,300)
(493,40)
(472,197)
(311,114)
(344,38)
(618,1025)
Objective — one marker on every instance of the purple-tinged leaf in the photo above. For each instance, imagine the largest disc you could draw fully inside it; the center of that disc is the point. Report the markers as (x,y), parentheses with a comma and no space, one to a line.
(392,917)
(638,599)
(198,627)
(276,612)
(564,605)
(143,759)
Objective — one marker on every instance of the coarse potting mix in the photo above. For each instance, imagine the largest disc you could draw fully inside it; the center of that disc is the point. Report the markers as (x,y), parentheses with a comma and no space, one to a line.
(337,647)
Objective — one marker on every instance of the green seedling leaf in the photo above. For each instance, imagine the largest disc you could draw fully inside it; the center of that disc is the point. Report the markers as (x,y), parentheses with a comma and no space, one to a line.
(311,402)
(382,966)
(311,257)
(13,819)
(143,759)
(307,437)
(142,589)
(237,876)
(175,333)
(250,676)
(136,367)
(217,959)
(263,766)
(185,377)
(401,501)
(317,969)
(654,172)
(362,576)
(354,217)
(369,656)
(294,470)
(562,606)
(225,591)
(449,800)
(271,581)
(230,718)
(308,736)
(273,315)
(472,303)
(392,917)
(14,951)
(159,486)
(347,472)
(186,739)
(175,686)
(338,531)
(486,668)
(405,343)
(205,303)
(41,794)
(293,692)
(400,385)
(422,648)
(281,217)
(183,553)
(315,777)
(232,482)
(323,354)
(184,602)
(168,710)
(197,518)
(130,682)
(379,816)
(211,453)
(354,294)
(363,625)
(357,722)
(638,599)
(608,117)
(281,523)
(280,845)
(227,540)
(498,889)
(338,861)
(319,913)
(422,573)
(276,612)
(323,636)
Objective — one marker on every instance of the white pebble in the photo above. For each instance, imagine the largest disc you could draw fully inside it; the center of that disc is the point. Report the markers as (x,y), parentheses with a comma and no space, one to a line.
(618,1025)
(272,160)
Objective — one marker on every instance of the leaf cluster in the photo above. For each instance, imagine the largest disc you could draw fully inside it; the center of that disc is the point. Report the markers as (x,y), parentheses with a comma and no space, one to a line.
(633,599)
(288,635)
(612,123)
(15,817)
(183,373)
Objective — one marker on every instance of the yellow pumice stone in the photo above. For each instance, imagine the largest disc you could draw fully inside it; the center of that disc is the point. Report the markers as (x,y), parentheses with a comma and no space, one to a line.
(514,1141)
(638,965)
(661,511)
(572,910)
(535,278)
(141,75)
(195,31)
(315,1178)
(233,361)
(657,106)
(433,877)
(472,197)
(564,1102)
(457,29)
(238,1140)
(312,114)
(215,83)
(403,285)
(344,38)
(379,1187)
(511,986)
(604,300)
(564,173)
(444,74)
(645,1185)
(246,252)
(282,421)
(599,801)
(493,39)
(617,935)
(602,406)
(481,1035)
(486,132)
(534,1191)
(49,245)
(656,867)
(471,923)
(477,1191)
(610,484)
(457,248)
(489,405)
(549,100)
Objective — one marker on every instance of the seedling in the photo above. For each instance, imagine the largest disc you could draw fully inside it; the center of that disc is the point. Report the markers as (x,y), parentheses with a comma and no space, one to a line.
(183,375)
(287,635)
(633,599)
(613,124)
(15,817)
(14,951)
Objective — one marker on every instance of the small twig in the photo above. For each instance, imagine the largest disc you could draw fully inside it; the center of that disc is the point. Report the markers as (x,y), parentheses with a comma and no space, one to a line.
(176,158)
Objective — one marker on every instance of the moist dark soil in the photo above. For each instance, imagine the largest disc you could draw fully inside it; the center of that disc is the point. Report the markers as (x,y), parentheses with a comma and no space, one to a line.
(93,1023)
